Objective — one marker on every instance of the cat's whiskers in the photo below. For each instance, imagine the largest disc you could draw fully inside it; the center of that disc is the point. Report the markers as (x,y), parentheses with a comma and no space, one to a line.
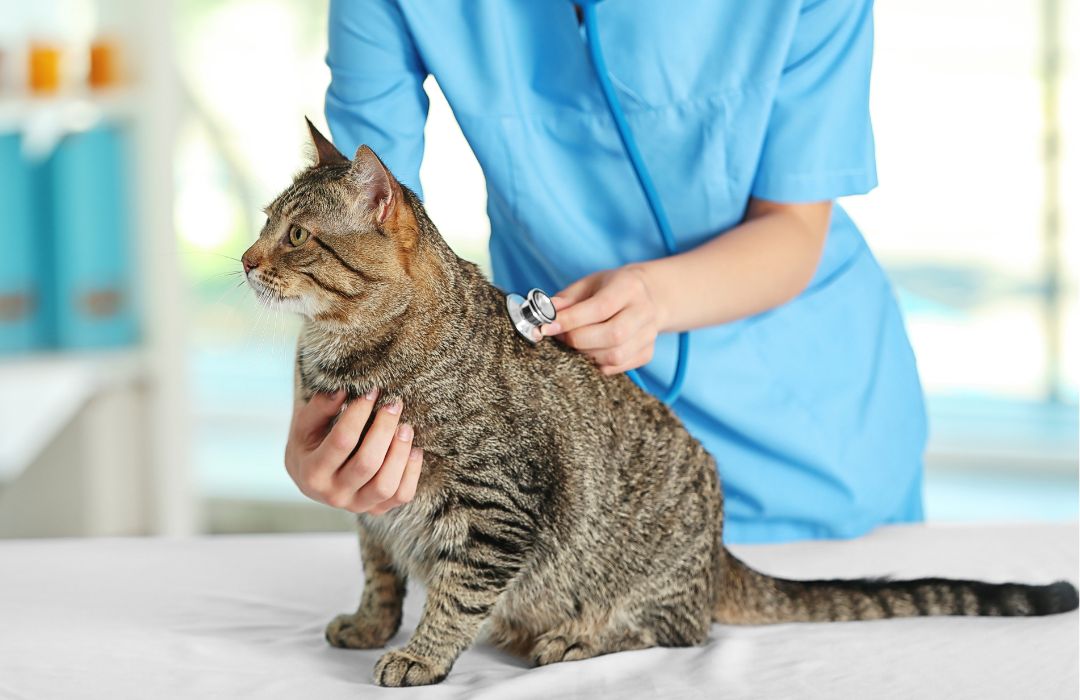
(271,313)
(226,297)
(224,273)
(261,296)
(275,307)
(282,323)
(208,252)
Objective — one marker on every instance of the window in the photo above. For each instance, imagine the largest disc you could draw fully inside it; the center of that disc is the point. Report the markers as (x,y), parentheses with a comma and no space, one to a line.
(965,101)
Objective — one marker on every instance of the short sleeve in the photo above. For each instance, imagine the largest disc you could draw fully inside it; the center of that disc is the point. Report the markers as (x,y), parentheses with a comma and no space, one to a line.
(376,94)
(819,143)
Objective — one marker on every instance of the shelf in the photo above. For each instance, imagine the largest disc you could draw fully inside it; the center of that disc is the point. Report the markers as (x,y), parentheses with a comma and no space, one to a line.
(43,121)
(43,392)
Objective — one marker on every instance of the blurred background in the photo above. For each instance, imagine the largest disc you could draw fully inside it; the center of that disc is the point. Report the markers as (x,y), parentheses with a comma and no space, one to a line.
(143,391)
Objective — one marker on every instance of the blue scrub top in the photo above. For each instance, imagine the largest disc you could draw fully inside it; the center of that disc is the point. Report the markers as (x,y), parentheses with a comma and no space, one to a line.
(813,410)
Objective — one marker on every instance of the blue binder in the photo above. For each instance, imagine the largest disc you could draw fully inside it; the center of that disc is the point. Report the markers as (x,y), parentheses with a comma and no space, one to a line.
(22,316)
(91,255)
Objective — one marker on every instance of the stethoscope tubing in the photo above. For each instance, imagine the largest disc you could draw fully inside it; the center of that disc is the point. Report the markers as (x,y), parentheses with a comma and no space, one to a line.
(648,188)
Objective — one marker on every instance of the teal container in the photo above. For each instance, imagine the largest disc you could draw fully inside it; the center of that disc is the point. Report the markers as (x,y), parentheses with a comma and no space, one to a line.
(22,307)
(90,244)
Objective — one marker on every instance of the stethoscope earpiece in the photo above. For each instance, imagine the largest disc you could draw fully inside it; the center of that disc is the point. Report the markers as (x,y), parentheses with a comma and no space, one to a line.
(529,313)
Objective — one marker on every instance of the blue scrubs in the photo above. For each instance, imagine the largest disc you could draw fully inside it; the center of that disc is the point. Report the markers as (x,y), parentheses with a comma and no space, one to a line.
(813,410)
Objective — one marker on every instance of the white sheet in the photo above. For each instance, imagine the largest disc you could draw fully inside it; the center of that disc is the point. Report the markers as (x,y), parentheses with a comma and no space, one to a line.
(235,617)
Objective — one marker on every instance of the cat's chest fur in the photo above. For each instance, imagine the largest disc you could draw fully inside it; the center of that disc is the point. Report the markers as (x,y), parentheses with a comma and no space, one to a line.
(439,411)
(327,363)
(454,395)
(415,532)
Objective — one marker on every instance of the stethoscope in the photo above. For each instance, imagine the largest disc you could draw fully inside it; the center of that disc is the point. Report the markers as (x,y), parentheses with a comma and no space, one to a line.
(528,314)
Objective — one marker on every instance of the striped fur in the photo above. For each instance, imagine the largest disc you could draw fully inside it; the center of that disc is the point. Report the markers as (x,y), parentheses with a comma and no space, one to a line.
(562,513)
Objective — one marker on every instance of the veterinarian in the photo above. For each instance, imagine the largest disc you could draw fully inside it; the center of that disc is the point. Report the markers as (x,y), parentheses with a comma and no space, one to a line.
(752,118)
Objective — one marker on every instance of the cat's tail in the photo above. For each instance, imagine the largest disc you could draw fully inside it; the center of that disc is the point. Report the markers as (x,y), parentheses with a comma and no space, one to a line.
(749,597)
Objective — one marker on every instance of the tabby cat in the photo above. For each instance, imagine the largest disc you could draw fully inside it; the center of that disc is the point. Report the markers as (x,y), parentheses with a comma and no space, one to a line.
(564,513)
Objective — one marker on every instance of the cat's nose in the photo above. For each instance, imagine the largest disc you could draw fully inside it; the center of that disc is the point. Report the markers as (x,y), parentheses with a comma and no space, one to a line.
(248,262)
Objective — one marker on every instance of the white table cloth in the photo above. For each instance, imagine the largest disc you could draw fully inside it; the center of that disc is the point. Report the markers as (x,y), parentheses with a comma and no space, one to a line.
(243,617)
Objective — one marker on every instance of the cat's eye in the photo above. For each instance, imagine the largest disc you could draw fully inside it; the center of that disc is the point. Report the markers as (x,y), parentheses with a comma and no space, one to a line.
(298,236)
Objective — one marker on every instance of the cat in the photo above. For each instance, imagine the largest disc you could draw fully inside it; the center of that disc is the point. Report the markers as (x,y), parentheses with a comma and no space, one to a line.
(561,512)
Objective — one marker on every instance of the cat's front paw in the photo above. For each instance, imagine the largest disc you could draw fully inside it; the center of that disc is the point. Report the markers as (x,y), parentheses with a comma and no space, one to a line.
(399,669)
(356,631)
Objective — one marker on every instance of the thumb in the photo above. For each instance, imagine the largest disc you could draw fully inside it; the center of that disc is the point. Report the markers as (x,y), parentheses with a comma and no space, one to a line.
(316,414)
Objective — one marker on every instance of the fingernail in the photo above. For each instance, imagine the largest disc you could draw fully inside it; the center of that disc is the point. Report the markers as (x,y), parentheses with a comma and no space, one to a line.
(394,408)
(404,432)
(416,453)
(372,395)
(551,328)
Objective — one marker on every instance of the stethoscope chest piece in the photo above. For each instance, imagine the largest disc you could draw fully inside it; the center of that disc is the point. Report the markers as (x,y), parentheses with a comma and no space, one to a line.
(528,313)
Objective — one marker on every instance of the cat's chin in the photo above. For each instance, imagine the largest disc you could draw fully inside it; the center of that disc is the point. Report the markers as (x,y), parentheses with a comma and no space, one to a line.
(272,299)
(296,305)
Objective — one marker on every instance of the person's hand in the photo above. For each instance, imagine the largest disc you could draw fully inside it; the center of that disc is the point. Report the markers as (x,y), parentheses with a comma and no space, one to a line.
(612,316)
(328,466)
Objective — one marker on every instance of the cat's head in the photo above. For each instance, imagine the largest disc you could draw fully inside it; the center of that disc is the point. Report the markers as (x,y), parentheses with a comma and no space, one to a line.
(339,245)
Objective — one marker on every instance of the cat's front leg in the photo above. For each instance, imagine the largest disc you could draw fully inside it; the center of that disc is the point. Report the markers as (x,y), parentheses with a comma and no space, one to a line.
(378,617)
(459,599)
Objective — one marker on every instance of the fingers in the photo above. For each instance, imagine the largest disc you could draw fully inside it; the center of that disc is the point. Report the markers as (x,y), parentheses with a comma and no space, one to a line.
(370,456)
(409,481)
(578,291)
(599,307)
(618,361)
(318,468)
(394,484)
(610,316)
(599,298)
(619,330)
(374,475)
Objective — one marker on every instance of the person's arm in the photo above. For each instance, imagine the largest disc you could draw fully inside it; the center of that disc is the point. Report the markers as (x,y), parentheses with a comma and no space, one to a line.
(615,315)
(376,94)
(376,97)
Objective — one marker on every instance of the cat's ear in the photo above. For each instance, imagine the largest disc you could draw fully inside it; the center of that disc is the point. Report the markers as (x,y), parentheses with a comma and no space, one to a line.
(377,191)
(325,152)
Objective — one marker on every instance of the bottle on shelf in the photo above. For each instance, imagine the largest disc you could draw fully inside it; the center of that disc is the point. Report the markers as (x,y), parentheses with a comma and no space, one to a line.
(23,324)
(68,283)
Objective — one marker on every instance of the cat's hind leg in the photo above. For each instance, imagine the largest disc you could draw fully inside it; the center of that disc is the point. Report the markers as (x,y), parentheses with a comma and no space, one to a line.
(577,639)
(681,619)
(378,617)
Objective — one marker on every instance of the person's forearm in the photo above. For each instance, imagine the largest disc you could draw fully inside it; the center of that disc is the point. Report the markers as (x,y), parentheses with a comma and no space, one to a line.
(760,264)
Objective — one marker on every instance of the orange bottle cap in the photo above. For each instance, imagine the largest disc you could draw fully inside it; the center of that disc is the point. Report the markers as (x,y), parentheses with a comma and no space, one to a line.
(44,68)
(104,64)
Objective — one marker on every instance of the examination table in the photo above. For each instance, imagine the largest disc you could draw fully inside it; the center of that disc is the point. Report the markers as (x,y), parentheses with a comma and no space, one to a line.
(243,617)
